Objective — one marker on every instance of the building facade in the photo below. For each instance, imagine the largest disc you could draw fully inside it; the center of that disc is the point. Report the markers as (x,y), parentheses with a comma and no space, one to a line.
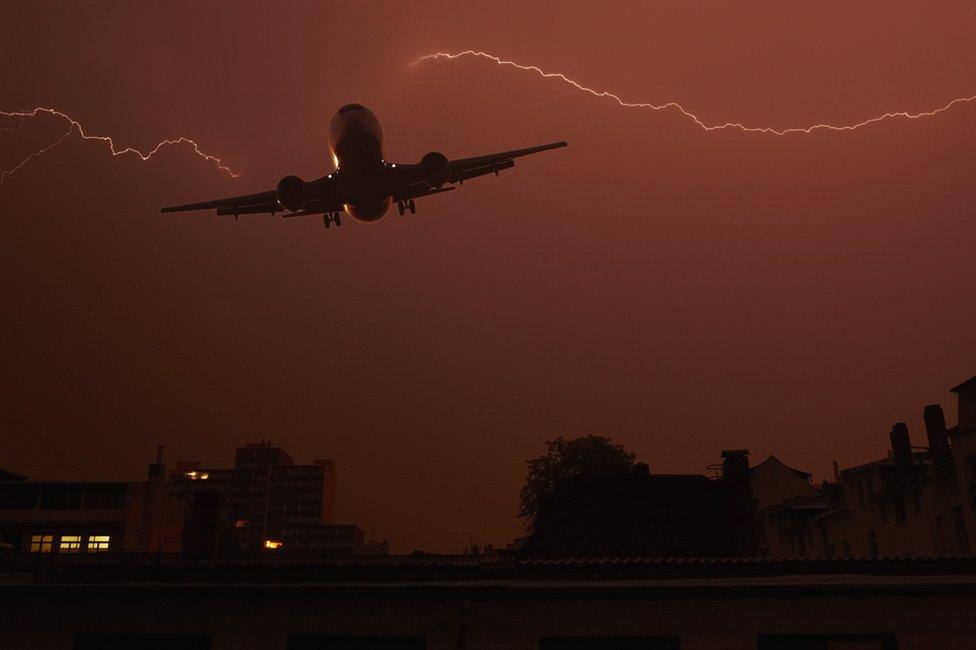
(264,503)
(917,500)
(70,517)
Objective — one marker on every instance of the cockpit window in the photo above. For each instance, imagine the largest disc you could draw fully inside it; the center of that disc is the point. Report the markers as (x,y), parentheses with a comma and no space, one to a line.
(350,107)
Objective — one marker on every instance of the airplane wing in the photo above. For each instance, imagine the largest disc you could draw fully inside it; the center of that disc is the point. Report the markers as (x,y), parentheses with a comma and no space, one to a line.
(245,204)
(467,168)
(321,196)
(409,184)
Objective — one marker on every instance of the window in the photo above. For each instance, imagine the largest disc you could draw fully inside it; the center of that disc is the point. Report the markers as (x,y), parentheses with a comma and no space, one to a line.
(41,543)
(899,502)
(846,545)
(938,534)
(826,642)
(142,642)
(883,507)
(105,497)
(61,497)
(609,643)
(98,543)
(860,492)
(917,502)
(70,544)
(316,642)
(12,540)
(962,535)
(870,483)
(873,543)
(18,497)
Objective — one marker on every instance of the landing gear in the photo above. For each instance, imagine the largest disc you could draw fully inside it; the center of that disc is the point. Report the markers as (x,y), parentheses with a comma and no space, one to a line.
(330,218)
(403,206)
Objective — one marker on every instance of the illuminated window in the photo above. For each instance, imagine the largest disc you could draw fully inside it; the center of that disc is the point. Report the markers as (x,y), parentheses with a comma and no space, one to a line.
(41,543)
(240,523)
(98,543)
(70,544)
(273,544)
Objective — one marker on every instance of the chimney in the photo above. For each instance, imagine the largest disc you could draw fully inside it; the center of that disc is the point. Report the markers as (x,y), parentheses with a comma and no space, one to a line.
(935,429)
(742,522)
(735,467)
(901,449)
(157,470)
(836,472)
(154,497)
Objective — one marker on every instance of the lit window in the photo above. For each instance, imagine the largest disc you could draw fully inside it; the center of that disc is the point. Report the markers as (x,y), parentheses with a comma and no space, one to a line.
(98,543)
(41,543)
(70,544)
(204,476)
(273,544)
(240,523)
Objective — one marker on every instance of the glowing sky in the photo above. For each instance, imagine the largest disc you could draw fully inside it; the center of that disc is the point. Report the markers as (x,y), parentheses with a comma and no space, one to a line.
(684,291)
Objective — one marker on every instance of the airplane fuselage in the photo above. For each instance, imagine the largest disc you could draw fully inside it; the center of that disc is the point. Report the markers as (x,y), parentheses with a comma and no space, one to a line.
(356,145)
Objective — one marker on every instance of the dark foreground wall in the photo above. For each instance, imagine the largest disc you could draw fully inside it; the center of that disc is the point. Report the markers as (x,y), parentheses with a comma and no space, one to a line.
(544,607)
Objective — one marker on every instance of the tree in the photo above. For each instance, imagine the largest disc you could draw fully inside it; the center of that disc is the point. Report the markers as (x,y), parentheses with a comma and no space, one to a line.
(566,460)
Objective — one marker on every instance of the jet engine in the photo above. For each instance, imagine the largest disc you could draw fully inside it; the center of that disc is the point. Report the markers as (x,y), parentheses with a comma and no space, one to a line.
(292,192)
(435,169)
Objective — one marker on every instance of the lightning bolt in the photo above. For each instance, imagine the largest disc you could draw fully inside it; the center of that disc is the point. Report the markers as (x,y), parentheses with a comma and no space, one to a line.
(74,125)
(681,109)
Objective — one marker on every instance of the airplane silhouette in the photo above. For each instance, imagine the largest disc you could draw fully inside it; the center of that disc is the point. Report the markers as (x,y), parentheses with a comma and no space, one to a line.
(364,184)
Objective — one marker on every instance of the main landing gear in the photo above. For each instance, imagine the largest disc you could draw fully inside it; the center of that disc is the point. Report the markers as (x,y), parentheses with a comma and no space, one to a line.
(403,206)
(330,218)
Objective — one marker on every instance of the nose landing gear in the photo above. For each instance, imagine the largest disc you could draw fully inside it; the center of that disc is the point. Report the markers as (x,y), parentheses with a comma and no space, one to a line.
(403,206)
(330,218)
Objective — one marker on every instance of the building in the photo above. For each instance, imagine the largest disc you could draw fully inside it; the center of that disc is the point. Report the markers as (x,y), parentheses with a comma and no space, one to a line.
(963,442)
(465,603)
(42,517)
(649,515)
(917,500)
(264,502)
(784,498)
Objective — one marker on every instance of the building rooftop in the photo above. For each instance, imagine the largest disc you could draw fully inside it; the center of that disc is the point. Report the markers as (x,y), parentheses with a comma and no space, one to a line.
(663,576)
(806,476)
(968,382)
(7,475)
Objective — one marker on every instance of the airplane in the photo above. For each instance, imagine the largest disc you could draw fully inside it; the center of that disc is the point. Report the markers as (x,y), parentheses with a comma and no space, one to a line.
(364,185)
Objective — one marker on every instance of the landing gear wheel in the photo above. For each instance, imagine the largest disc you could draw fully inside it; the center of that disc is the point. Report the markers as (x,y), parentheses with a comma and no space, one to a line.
(331,217)
(411,207)
(402,207)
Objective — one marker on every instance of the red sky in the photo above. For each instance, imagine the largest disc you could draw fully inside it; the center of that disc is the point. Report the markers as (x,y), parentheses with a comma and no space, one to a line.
(681,291)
